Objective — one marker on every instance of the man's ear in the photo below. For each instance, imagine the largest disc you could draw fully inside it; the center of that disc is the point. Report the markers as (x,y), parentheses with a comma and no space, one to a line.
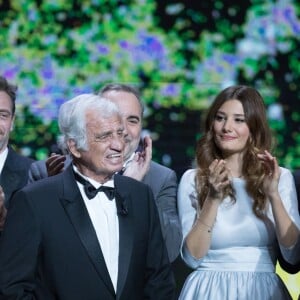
(73,149)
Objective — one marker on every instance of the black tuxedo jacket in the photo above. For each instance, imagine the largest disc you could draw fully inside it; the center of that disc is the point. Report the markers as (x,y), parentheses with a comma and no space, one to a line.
(49,249)
(163,184)
(14,174)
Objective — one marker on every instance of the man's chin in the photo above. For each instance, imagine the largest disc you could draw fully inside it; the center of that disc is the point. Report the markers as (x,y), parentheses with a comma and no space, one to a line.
(116,169)
(129,151)
(127,155)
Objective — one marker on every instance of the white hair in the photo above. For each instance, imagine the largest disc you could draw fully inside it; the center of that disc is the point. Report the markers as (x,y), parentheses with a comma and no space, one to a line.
(72,118)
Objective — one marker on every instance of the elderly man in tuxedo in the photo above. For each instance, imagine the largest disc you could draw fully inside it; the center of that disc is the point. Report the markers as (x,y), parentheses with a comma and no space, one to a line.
(86,233)
(138,164)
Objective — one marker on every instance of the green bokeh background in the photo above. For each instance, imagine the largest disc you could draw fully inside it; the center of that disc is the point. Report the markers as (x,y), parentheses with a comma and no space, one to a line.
(179,53)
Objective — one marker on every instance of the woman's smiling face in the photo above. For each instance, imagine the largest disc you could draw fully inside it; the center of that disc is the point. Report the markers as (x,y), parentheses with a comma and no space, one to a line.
(231,131)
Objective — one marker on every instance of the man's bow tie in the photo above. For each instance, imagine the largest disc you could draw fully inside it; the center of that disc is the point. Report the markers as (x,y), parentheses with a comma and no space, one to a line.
(91,191)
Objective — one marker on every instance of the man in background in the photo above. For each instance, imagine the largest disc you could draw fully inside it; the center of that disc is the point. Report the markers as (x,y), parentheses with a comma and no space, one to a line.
(138,163)
(13,167)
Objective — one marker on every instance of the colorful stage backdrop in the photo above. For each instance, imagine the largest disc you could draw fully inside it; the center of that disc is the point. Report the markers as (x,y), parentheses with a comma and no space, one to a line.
(179,53)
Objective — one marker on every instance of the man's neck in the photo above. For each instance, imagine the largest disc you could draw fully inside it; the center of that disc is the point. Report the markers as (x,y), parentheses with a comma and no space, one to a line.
(100,178)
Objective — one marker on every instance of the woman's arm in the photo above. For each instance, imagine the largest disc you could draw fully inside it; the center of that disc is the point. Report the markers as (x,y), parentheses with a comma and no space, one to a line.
(198,240)
(286,231)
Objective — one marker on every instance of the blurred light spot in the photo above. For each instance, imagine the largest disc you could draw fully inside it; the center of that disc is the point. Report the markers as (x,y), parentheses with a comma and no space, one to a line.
(166,159)
(275,112)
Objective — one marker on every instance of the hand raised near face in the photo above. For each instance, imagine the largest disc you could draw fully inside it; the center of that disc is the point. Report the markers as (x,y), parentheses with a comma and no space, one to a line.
(55,164)
(218,179)
(140,164)
(272,172)
(3,210)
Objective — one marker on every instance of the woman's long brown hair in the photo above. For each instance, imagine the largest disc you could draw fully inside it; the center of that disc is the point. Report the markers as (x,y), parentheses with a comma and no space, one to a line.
(260,139)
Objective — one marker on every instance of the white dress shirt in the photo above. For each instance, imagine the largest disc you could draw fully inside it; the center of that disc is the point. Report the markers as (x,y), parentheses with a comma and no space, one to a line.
(103,214)
(3,157)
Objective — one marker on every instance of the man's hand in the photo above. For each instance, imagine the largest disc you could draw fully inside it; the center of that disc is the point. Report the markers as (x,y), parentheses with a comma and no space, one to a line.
(55,164)
(140,164)
(3,210)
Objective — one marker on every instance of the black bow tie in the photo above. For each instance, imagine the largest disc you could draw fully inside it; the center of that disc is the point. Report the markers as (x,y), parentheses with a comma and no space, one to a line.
(91,191)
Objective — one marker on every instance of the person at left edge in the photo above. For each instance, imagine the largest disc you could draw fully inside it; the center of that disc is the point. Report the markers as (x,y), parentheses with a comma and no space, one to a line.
(59,244)
(13,167)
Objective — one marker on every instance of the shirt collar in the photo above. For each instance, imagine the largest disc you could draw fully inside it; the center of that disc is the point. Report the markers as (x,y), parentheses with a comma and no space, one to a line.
(3,156)
(95,183)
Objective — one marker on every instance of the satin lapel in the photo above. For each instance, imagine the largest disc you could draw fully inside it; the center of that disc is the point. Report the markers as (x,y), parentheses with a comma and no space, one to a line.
(79,217)
(126,232)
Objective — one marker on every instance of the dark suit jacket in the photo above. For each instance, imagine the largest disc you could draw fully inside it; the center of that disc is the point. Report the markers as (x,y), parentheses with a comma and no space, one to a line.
(49,249)
(163,183)
(292,269)
(14,174)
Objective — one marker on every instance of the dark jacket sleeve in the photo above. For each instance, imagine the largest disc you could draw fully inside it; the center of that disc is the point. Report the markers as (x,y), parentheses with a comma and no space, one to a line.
(19,247)
(159,279)
(168,215)
(163,183)
(37,171)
